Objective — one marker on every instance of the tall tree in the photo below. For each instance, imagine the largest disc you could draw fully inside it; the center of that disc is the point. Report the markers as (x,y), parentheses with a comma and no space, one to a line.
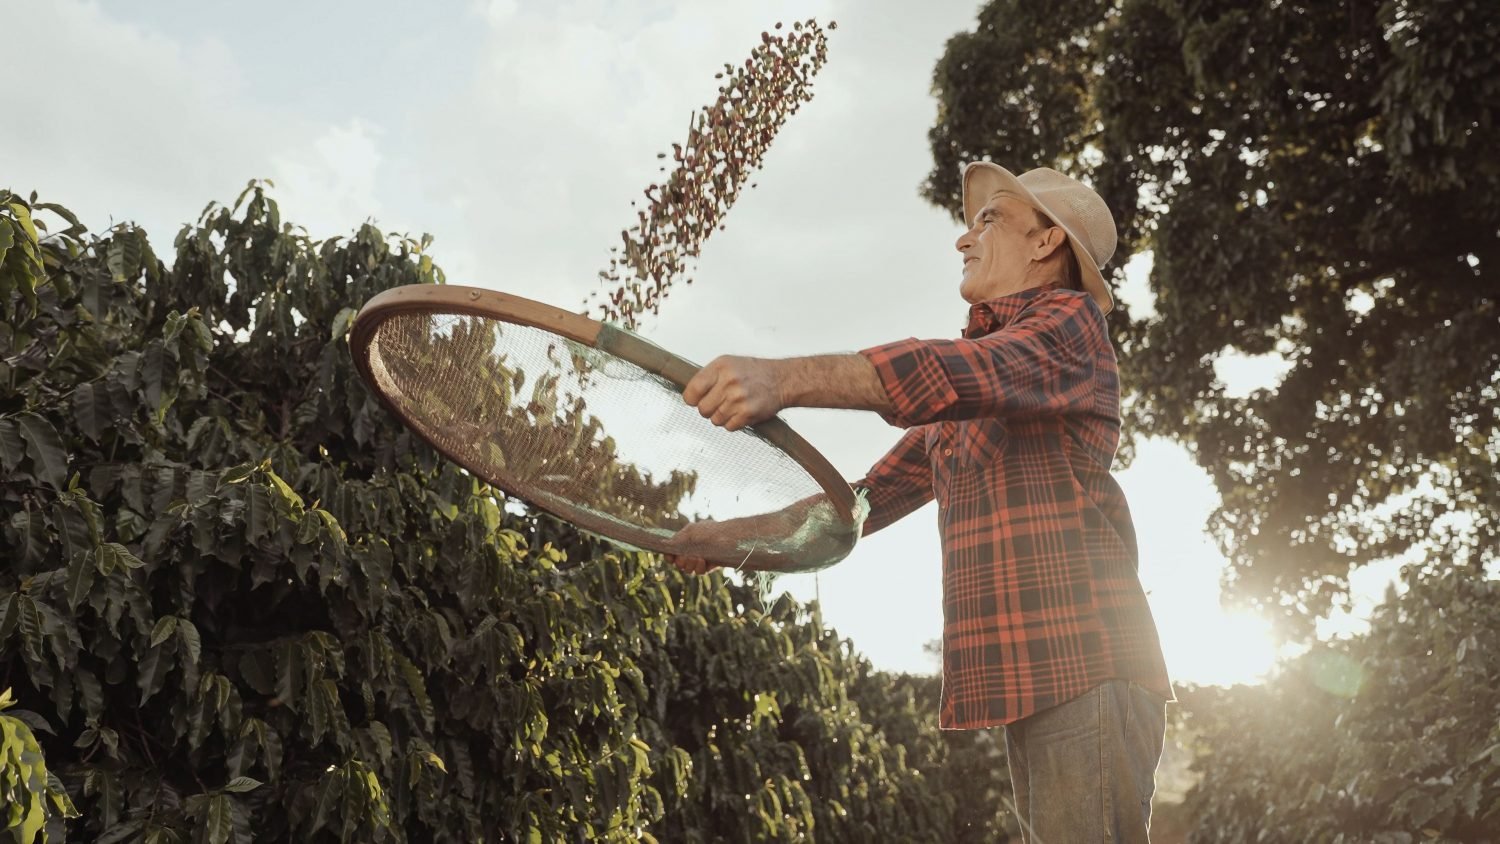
(1316,180)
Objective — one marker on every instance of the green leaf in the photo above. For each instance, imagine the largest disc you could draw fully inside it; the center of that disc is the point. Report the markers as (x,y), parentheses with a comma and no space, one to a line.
(258,668)
(342,321)
(92,692)
(74,229)
(241,754)
(332,524)
(31,627)
(417,686)
(270,743)
(219,819)
(35,722)
(196,430)
(31,536)
(92,411)
(123,257)
(288,674)
(257,512)
(76,526)
(127,559)
(59,796)
(200,486)
(152,672)
(80,579)
(33,818)
(239,785)
(382,740)
(10,617)
(23,216)
(238,474)
(175,323)
(188,633)
(112,555)
(288,495)
(163,630)
(12,446)
(46,450)
(153,377)
(122,832)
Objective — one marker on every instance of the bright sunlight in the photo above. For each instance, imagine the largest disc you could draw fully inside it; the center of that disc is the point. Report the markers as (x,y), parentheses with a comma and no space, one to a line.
(1230,648)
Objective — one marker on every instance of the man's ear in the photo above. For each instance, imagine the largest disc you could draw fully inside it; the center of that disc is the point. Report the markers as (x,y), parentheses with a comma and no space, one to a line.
(1056,237)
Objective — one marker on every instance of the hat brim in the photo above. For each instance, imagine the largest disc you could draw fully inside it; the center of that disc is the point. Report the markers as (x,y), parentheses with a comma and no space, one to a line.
(984,179)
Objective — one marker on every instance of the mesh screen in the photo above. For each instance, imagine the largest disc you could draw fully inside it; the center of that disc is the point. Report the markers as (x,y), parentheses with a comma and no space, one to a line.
(602,443)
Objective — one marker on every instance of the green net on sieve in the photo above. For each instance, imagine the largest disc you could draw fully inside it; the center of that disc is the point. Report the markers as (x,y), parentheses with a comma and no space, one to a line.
(603,443)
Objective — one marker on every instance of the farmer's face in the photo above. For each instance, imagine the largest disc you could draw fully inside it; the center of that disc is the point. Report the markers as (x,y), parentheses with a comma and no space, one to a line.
(999,247)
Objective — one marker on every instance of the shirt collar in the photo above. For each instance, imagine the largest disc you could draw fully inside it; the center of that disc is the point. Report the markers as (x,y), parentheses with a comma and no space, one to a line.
(994,314)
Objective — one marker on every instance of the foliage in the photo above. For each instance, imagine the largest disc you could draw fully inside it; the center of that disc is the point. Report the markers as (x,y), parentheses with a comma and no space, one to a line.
(196,620)
(1390,737)
(242,598)
(967,767)
(725,142)
(796,747)
(26,786)
(1314,180)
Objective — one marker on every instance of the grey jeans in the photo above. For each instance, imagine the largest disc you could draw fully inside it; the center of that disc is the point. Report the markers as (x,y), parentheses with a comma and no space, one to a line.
(1085,770)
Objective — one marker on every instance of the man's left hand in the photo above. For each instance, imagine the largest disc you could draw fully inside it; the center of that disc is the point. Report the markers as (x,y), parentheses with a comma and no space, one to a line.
(733,392)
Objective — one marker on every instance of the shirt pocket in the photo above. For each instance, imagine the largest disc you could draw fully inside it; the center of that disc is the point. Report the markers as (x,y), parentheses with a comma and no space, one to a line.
(942,441)
(982,441)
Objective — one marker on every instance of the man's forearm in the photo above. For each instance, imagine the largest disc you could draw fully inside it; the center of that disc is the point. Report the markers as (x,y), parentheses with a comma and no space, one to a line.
(846,381)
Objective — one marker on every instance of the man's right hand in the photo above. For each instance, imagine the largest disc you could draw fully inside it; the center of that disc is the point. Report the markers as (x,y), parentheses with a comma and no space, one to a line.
(692,535)
(691,565)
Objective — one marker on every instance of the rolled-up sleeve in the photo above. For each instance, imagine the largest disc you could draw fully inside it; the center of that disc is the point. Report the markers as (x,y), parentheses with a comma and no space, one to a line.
(899,482)
(1041,364)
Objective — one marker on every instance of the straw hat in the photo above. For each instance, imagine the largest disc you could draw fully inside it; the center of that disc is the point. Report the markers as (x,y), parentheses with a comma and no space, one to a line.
(1070,203)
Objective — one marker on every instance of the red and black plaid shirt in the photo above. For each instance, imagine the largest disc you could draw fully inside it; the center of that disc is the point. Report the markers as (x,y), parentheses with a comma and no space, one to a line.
(1013,429)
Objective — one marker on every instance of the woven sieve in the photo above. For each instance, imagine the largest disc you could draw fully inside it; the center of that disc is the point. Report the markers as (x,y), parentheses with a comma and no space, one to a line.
(587,422)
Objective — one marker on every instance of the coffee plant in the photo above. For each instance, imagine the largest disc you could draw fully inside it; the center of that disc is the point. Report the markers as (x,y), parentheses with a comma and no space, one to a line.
(240,602)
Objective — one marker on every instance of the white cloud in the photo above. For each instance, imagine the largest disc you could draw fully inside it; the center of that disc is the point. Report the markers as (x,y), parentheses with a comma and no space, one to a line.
(133,124)
(497,12)
(119,119)
(331,183)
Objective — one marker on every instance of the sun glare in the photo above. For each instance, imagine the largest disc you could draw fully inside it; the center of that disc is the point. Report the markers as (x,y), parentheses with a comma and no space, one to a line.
(1230,648)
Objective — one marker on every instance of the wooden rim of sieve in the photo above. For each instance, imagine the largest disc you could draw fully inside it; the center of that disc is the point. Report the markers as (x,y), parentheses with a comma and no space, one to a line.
(492,304)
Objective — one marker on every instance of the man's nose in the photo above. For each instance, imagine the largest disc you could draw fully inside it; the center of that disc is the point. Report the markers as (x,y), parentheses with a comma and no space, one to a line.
(964,241)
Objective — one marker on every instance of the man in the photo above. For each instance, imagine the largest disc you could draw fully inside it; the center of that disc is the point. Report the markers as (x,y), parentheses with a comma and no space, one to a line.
(1012,428)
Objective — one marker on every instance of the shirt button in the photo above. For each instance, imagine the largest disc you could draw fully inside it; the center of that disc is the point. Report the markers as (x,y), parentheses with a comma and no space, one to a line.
(947,452)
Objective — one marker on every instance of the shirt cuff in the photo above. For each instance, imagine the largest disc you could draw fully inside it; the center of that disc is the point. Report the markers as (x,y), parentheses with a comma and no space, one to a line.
(914,379)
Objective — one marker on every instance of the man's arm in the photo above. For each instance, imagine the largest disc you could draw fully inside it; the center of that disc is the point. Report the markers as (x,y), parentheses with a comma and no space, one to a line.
(1043,363)
(842,381)
(735,391)
(899,482)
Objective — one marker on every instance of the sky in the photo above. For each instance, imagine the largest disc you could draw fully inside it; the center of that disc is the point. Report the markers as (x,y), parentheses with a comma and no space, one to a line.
(517,132)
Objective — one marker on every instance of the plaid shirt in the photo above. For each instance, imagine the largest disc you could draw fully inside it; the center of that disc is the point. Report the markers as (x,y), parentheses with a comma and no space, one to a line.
(1013,429)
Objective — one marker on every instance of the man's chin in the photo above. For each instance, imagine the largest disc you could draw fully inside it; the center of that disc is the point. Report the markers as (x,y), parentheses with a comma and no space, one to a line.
(967,291)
